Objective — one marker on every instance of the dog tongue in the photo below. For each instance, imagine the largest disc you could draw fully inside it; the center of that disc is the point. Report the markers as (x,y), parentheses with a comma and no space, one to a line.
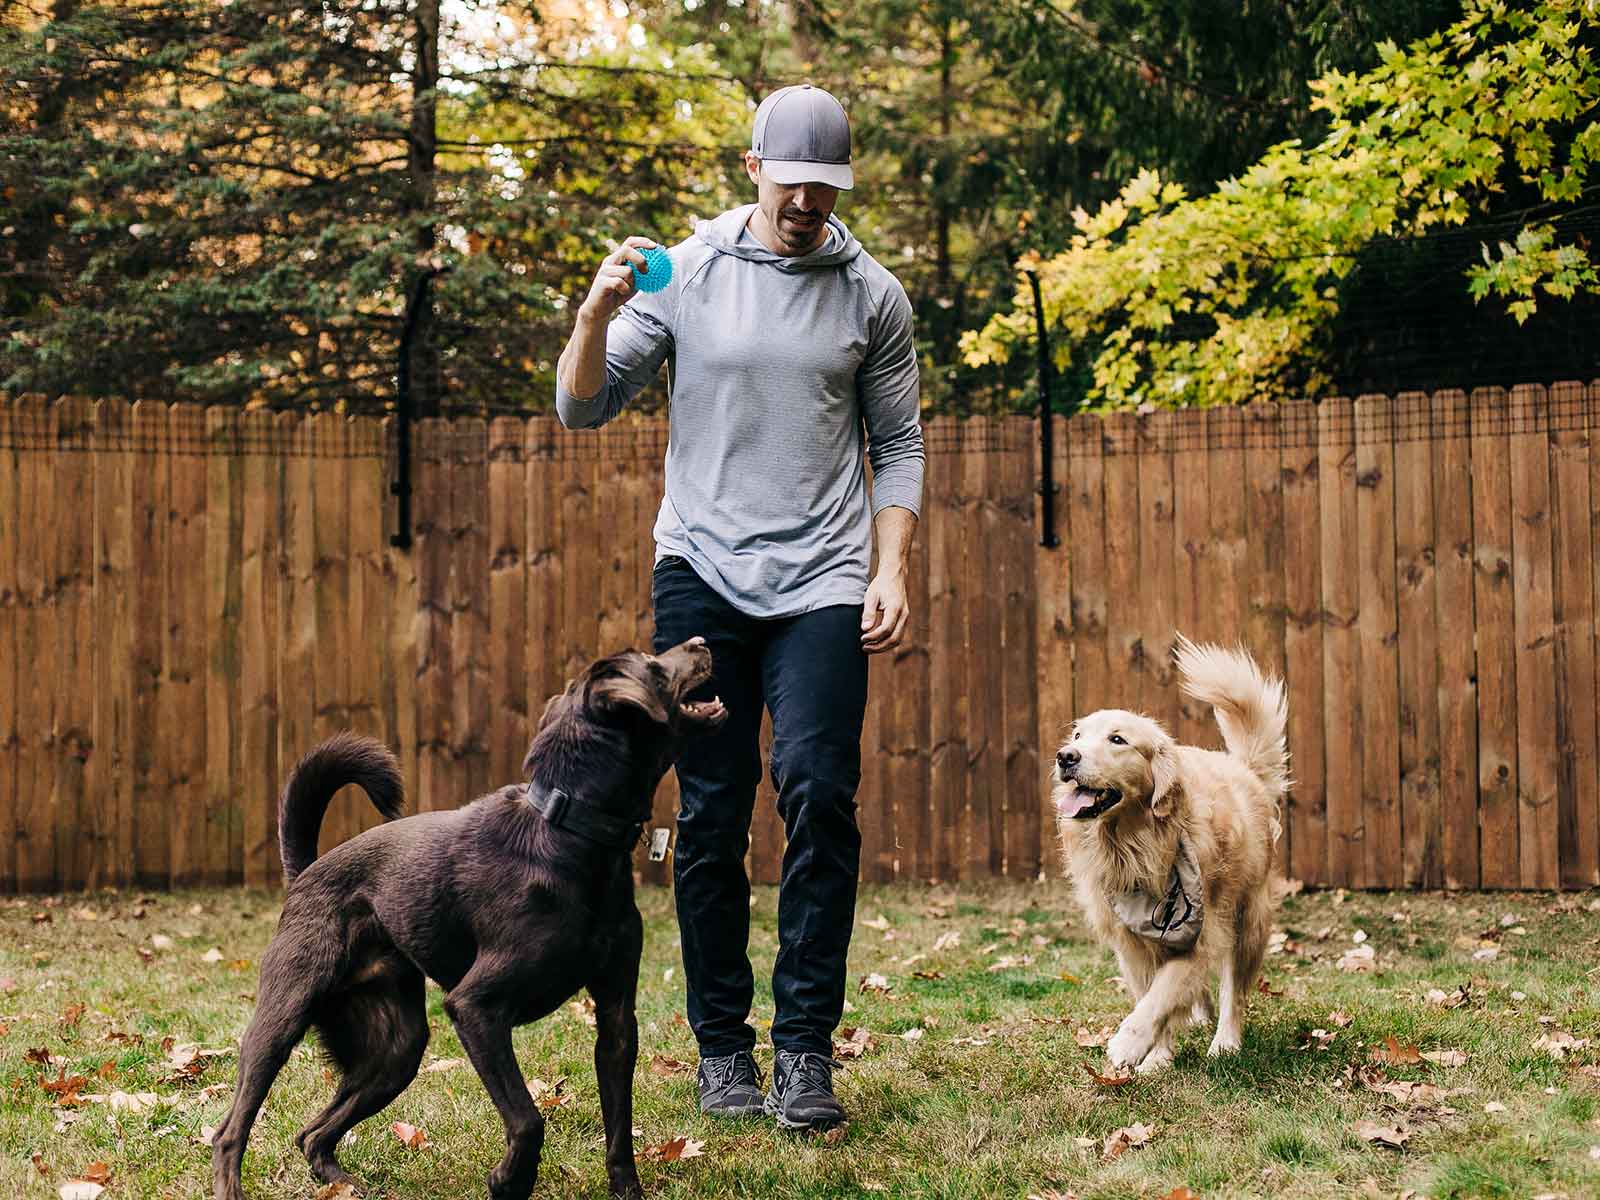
(1075,801)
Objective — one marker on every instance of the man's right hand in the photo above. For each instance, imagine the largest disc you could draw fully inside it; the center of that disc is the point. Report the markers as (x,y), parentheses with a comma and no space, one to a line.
(613,284)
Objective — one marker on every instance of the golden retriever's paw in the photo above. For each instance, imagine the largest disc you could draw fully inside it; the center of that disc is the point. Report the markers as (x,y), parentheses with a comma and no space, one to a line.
(1129,1045)
(1159,1059)
(1224,1043)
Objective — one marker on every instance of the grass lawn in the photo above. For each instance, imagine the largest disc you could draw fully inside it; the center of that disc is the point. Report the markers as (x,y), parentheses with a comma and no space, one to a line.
(971,1083)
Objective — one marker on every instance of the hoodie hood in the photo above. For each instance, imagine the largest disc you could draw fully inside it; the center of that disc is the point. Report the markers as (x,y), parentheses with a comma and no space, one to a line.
(722,235)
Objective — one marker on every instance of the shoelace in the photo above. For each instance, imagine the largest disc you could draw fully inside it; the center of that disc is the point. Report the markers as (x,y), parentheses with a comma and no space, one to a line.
(723,1069)
(815,1070)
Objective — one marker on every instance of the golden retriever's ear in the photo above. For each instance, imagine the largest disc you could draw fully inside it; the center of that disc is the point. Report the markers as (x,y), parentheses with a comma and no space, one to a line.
(1165,786)
(619,691)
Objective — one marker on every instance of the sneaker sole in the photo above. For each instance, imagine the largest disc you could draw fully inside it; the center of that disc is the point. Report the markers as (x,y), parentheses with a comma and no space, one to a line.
(819,1125)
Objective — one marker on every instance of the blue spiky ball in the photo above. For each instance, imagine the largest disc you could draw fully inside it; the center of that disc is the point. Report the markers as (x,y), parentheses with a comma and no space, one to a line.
(657,271)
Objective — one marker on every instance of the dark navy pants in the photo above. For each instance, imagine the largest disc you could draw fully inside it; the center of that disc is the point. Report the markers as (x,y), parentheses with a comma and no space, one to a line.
(810,671)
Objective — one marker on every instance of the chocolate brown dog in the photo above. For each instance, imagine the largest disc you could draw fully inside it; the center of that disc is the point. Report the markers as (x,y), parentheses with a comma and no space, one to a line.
(511,904)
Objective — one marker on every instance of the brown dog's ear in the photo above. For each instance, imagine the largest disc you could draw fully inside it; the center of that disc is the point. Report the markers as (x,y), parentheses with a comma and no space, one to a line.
(1166,788)
(611,692)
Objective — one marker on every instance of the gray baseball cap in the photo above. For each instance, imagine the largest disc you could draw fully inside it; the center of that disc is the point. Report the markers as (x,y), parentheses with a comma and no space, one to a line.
(802,136)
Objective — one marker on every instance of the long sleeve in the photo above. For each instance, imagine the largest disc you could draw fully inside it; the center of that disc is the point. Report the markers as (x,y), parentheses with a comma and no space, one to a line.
(890,391)
(638,341)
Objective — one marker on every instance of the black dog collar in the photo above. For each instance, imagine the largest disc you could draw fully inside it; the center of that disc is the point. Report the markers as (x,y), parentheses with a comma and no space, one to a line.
(562,811)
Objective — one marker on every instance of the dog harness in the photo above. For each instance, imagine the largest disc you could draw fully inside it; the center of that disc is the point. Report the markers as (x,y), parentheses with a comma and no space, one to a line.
(1172,919)
(557,807)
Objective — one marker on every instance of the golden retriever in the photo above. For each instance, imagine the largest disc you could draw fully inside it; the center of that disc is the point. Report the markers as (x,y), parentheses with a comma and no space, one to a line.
(1169,848)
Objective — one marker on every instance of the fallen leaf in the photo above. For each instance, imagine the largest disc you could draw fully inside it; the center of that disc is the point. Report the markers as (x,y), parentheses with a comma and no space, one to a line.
(84,913)
(1111,1081)
(1267,989)
(1181,1193)
(948,940)
(79,1190)
(1395,1054)
(212,955)
(1446,1058)
(1007,962)
(677,1148)
(161,941)
(880,923)
(410,1136)
(1126,1138)
(207,1132)
(1486,954)
(1317,1039)
(833,1136)
(38,1055)
(1090,1039)
(1382,1135)
(1359,958)
(95,1172)
(39,1164)
(1359,936)
(584,1010)
(1342,1020)
(1494,1106)
(660,1064)
(853,1043)
(927,974)
(65,1088)
(133,1102)
(912,1035)
(875,983)
(1559,1044)
(73,1015)
(446,1064)
(336,1191)
(42,918)
(968,1041)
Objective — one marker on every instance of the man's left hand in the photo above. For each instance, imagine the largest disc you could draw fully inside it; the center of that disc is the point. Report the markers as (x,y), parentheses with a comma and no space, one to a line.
(884,613)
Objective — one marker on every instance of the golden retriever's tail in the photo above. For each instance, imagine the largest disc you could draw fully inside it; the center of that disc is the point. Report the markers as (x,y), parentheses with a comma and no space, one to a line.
(1251,707)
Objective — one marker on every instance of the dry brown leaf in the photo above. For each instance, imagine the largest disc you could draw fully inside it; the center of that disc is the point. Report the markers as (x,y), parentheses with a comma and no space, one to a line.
(677,1148)
(1393,1053)
(95,1172)
(410,1136)
(660,1064)
(72,1015)
(875,983)
(1267,989)
(948,940)
(161,941)
(1090,1039)
(336,1191)
(1342,1020)
(834,1136)
(1181,1193)
(65,1088)
(1382,1135)
(1110,1081)
(1127,1138)
(583,1009)
(927,974)
(1317,1039)
(880,923)
(1559,1044)
(39,1164)
(1358,958)
(42,918)
(853,1043)
(38,1055)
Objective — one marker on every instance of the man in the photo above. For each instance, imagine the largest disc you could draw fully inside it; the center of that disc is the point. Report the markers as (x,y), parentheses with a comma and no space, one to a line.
(784,340)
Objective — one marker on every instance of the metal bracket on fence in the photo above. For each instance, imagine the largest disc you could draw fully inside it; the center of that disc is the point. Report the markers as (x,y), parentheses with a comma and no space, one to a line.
(404,415)
(1047,466)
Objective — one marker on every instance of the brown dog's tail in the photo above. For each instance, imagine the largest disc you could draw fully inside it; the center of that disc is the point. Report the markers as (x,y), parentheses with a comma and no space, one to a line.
(1251,707)
(344,758)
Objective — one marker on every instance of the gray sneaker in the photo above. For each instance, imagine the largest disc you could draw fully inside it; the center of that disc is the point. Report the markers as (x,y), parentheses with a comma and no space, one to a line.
(730,1086)
(802,1091)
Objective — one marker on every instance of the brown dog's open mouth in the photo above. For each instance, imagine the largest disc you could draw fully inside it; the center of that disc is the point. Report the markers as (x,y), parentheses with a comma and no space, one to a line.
(1079,803)
(704,710)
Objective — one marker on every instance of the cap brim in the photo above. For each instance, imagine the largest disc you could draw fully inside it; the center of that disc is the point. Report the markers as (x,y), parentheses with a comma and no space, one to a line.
(791,173)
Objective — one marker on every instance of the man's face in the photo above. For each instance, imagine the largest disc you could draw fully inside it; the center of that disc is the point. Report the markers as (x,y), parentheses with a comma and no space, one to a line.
(797,214)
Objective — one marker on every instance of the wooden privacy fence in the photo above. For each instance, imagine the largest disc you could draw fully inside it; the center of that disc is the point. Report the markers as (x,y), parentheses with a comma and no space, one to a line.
(190,598)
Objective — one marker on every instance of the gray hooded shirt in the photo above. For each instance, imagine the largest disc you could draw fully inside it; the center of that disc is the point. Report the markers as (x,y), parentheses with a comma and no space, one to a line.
(785,372)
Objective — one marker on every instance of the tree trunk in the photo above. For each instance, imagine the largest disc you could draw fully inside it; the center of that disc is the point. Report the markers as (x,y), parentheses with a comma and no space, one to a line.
(427,378)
